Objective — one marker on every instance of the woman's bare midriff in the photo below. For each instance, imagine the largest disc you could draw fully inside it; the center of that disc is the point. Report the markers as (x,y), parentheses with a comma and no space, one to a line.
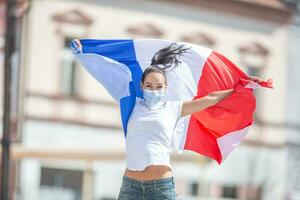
(150,172)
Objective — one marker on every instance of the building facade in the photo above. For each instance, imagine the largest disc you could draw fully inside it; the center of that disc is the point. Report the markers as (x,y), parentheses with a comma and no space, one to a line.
(72,144)
(293,109)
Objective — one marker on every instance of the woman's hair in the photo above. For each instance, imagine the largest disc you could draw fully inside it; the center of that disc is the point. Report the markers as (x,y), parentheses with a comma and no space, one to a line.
(165,59)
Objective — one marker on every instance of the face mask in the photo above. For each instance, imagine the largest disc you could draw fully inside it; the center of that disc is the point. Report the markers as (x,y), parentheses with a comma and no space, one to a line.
(154,98)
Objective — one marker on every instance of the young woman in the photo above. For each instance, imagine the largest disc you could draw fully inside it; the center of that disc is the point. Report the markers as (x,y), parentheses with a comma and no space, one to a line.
(150,127)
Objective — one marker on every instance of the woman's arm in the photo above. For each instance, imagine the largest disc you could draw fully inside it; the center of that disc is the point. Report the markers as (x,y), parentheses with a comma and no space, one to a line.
(104,70)
(211,99)
(202,103)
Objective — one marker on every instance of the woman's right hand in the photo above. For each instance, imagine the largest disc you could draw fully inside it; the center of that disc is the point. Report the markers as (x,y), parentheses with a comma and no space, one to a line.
(78,43)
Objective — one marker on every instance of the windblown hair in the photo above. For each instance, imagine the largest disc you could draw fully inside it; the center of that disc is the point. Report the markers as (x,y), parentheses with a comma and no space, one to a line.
(165,59)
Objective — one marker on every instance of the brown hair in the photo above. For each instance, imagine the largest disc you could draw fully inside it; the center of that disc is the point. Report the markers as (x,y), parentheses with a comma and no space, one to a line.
(165,59)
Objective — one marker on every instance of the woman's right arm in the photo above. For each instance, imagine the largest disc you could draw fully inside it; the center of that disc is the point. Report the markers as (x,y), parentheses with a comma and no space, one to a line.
(202,103)
(105,70)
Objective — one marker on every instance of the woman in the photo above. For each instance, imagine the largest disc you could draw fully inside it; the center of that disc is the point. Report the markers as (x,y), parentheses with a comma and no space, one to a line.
(150,129)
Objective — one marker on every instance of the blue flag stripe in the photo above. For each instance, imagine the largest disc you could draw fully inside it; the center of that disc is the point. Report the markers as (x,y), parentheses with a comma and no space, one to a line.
(123,52)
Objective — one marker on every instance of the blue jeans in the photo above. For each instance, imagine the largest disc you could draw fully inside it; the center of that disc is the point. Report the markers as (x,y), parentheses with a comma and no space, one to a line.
(159,189)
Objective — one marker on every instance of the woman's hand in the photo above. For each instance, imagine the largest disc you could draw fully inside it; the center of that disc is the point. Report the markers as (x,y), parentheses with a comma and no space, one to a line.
(202,103)
(78,43)
(255,79)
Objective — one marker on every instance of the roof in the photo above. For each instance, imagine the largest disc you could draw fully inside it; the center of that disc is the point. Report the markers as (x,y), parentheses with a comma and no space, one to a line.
(272,4)
(268,10)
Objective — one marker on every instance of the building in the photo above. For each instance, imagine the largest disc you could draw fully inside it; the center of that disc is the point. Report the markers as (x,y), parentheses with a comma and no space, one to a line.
(72,145)
(293,110)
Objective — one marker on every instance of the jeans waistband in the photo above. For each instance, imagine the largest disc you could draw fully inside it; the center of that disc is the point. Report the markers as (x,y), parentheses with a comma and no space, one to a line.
(154,182)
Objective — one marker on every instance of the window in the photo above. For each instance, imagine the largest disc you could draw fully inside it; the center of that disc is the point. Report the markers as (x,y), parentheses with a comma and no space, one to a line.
(199,38)
(60,184)
(229,192)
(145,30)
(69,71)
(253,71)
(193,188)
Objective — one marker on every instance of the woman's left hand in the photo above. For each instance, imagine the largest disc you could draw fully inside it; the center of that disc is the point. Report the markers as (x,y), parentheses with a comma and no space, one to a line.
(255,79)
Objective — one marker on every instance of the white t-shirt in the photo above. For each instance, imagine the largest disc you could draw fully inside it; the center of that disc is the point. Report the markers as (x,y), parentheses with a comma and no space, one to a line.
(149,134)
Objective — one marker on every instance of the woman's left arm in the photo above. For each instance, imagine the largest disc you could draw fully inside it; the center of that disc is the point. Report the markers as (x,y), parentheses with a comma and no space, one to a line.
(211,99)
(202,103)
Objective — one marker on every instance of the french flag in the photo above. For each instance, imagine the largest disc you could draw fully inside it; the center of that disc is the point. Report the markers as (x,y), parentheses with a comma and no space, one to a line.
(214,132)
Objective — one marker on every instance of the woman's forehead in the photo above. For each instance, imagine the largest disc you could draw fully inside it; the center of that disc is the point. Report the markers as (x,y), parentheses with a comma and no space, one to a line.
(155,76)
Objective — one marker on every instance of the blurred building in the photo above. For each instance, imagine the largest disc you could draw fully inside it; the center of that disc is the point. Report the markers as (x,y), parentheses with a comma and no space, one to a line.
(72,144)
(293,109)
(2,28)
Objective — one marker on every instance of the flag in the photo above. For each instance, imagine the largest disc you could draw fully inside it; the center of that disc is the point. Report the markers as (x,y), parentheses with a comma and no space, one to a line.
(214,132)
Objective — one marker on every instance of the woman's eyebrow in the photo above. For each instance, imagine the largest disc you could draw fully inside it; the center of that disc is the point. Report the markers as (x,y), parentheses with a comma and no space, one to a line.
(149,83)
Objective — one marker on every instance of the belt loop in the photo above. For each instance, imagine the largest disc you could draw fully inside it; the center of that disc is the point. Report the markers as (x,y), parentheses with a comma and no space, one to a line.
(173,180)
(154,183)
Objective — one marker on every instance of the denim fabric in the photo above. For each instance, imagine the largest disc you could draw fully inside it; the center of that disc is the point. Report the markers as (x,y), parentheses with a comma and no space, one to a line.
(159,189)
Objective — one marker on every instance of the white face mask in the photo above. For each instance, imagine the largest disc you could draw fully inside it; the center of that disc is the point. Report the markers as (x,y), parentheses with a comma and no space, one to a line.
(154,98)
